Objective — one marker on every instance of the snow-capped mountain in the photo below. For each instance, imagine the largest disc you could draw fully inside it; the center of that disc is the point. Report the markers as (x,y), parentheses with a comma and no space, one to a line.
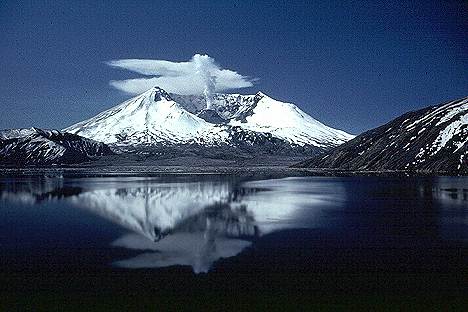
(35,146)
(152,117)
(261,113)
(156,118)
(432,139)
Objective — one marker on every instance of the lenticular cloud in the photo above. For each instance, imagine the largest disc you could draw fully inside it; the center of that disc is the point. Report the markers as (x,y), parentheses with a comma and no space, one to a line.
(199,75)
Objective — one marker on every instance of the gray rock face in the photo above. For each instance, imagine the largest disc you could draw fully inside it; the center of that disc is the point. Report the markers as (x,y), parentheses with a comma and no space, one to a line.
(434,139)
(211,116)
(25,147)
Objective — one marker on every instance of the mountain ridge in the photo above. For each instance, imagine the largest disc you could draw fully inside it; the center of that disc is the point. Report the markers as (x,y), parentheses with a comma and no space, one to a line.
(34,146)
(434,139)
(153,127)
(154,118)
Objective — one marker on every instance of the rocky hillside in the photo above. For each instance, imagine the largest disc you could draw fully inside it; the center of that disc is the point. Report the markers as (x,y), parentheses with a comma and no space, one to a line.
(434,139)
(25,147)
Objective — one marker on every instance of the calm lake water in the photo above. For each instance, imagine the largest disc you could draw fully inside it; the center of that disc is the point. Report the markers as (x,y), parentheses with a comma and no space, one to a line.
(197,239)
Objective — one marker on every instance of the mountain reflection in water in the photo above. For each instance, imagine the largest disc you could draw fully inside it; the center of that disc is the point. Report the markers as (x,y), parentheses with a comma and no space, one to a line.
(196,223)
(188,223)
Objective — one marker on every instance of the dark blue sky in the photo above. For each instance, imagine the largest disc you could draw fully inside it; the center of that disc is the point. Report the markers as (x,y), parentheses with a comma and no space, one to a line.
(351,64)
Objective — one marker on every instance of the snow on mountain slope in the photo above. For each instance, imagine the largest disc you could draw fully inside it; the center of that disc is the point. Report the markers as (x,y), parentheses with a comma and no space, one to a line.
(226,105)
(287,121)
(16,133)
(261,113)
(432,139)
(157,118)
(19,147)
(152,117)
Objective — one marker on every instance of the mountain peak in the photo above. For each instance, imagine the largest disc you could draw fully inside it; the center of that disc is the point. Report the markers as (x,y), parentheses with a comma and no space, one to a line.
(157,118)
(158,94)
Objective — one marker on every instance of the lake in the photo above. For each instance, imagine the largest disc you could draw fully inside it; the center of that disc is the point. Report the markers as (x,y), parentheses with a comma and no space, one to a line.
(231,241)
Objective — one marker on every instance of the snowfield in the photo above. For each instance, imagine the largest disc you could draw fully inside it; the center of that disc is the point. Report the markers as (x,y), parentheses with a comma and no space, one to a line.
(154,117)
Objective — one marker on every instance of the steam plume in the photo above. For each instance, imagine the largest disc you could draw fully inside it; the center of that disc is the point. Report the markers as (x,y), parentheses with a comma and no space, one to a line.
(205,67)
(199,75)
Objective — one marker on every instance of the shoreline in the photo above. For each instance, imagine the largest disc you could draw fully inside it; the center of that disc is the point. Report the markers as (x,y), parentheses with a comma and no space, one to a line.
(156,170)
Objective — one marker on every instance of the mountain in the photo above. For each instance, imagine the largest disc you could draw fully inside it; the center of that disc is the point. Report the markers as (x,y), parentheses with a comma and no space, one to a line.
(261,113)
(20,147)
(150,118)
(156,120)
(433,139)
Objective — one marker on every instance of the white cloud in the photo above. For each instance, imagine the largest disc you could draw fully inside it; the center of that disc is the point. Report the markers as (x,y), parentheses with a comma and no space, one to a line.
(196,76)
